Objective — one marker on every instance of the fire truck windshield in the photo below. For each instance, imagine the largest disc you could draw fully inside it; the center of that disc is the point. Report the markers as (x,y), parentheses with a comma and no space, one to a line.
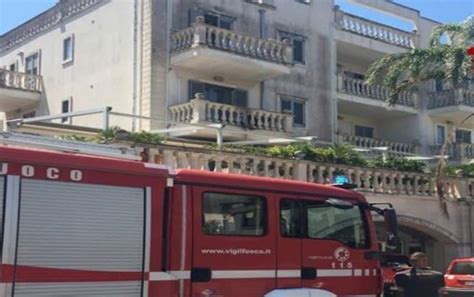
(346,225)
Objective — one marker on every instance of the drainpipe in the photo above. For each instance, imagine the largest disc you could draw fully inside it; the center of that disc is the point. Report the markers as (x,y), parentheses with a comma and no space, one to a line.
(169,20)
(469,208)
(135,63)
(263,34)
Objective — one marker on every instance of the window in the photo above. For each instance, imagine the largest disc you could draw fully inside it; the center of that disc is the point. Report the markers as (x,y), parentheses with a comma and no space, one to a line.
(317,220)
(463,268)
(232,214)
(211,18)
(218,20)
(290,214)
(439,85)
(66,106)
(296,107)
(12,67)
(440,134)
(68,49)
(463,136)
(219,94)
(30,114)
(354,75)
(362,131)
(298,43)
(344,225)
(32,64)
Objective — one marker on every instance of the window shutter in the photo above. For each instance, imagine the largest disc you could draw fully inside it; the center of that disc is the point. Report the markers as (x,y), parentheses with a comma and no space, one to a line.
(194,88)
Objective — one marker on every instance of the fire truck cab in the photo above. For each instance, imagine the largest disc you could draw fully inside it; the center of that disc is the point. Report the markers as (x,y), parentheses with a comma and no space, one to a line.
(81,225)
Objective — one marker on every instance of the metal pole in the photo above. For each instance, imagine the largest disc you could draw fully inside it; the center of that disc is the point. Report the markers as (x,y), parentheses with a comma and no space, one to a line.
(220,138)
(106,118)
(60,116)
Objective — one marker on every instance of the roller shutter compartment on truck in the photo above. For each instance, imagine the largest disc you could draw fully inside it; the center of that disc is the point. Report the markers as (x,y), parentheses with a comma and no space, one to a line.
(85,234)
(2,203)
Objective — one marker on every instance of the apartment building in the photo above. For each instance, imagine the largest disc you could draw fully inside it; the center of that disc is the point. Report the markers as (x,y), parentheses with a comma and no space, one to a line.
(264,68)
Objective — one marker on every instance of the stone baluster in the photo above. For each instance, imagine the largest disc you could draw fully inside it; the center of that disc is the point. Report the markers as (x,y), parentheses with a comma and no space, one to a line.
(399,186)
(330,174)
(321,170)
(311,176)
(378,180)
(416,185)
(366,178)
(358,178)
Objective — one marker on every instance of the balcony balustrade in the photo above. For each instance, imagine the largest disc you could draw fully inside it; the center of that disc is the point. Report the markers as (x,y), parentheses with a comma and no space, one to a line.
(372,180)
(452,97)
(367,28)
(456,151)
(358,87)
(201,111)
(225,53)
(395,149)
(18,90)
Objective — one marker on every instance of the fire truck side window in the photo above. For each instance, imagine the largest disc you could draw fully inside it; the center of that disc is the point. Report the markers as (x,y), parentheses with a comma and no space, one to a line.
(290,214)
(232,214)
(345,225)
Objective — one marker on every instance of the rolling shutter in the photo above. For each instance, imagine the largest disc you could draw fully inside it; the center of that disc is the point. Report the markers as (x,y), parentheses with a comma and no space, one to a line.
(81,227)
(98,289)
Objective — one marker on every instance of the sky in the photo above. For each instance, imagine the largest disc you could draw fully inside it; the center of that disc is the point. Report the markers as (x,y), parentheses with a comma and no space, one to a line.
(15,12)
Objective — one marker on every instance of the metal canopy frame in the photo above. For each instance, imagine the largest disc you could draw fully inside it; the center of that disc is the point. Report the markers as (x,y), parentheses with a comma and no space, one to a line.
(183,127)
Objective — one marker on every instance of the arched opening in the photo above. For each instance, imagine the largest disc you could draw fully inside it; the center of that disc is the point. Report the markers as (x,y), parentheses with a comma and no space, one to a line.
(440,245)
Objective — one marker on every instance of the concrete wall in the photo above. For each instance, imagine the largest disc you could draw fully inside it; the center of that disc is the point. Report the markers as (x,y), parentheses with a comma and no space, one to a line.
(312,82)
(101,72)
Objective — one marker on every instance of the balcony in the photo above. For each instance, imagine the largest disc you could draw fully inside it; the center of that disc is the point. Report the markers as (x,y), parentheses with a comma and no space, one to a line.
(395,149)
(451,105)
(363,39)
(222,53)
(457,152)
(237,119)
(19,90)
(355,96)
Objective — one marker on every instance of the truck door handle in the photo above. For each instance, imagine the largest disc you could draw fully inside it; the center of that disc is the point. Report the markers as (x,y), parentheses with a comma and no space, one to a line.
(201,275)
(308,273)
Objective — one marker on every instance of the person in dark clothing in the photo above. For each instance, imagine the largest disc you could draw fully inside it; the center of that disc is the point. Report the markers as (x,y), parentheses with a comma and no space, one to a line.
(420,280)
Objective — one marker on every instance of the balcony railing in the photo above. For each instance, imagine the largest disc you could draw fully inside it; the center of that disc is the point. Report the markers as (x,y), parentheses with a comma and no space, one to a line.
(20,81)
(201,34)
(452,97)
(395,149)
(456,151)
(199,110)
(374,30)
(358,87)
(374,180)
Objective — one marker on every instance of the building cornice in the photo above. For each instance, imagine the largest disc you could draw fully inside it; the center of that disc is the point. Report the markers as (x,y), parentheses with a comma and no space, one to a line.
(63,10)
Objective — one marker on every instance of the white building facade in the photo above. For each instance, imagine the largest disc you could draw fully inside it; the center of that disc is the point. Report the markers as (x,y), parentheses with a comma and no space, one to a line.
(265,68)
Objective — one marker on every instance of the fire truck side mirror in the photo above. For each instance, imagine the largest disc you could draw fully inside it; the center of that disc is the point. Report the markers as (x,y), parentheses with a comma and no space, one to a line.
(391,226)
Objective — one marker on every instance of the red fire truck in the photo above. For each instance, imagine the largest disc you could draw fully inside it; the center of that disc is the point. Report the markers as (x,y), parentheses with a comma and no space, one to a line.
(78,225)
